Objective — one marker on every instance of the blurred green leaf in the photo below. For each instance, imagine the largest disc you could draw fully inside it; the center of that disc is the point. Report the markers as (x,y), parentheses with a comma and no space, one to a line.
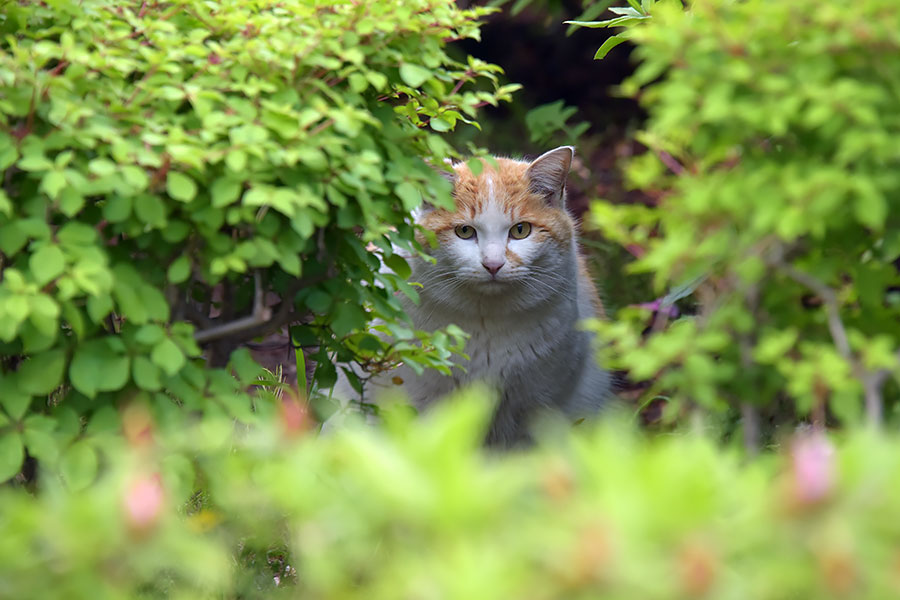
(181,187)
(11,454)
(78,465)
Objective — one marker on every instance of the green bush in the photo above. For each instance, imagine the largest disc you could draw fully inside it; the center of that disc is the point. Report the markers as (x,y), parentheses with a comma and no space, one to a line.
(193,173)
(417,510)
(772,152)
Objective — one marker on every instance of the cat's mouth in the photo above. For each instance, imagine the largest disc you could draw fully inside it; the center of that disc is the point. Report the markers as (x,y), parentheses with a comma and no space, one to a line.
(492,285)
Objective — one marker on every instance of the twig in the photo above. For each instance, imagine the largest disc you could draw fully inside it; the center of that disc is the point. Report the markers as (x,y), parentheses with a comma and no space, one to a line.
(261,321)
(871,382)
(750,424)
(260,314)
(749,412)
(829,298)
(669,160)
(465,77)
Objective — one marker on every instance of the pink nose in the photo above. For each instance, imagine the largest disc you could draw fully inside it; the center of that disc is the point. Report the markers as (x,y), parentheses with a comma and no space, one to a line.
(492,266)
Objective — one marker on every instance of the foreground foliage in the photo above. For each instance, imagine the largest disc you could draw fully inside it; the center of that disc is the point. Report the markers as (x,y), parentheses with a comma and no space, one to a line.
(191,175)
(773,164)
(419,510)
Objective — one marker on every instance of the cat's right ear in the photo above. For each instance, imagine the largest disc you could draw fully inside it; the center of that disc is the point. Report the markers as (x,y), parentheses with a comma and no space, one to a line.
(547,174)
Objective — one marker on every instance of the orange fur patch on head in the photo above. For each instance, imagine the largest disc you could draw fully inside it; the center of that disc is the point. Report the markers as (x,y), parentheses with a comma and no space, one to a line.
(510,188)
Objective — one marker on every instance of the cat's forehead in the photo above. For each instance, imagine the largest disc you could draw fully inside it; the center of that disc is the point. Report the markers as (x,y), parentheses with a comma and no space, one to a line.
(499,192)
(504,188)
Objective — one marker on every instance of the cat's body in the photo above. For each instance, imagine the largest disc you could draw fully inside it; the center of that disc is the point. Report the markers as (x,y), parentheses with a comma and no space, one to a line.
(509,274)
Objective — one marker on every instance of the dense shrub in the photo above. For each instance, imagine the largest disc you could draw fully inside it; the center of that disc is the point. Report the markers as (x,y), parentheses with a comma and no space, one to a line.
(417,510)
(772,156)
(193,174)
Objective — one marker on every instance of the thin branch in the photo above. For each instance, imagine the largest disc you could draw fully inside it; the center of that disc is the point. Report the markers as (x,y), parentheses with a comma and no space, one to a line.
(670,161)
(829,298)
(871,382)
(749,412)
(260,314)
(750,425)
(262,320)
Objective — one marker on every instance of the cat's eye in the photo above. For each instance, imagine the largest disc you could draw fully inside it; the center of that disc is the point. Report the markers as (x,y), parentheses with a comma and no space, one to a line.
(465,231)
(520,231)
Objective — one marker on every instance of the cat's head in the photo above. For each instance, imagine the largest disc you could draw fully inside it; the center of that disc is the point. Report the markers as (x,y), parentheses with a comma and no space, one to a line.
(510,230)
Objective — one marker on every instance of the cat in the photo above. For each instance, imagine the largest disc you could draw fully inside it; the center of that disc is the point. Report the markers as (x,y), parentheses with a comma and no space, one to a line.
(507,271)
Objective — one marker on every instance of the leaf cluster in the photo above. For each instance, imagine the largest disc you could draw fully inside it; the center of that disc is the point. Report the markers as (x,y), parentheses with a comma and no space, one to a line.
(418,509)
(183,177)
(771,155)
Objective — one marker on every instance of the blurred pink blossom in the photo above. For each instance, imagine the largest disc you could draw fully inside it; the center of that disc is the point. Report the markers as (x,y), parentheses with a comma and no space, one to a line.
(812,467)
(144,501)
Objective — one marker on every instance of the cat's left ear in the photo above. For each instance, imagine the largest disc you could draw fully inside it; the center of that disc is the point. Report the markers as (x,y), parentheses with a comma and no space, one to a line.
(547,175)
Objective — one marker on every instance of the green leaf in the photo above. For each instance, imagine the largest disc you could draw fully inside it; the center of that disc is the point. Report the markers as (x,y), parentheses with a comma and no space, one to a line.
(146,374)
(409,195)
(346,318)
(12,238)
(180,186)
(53,183)
(439,124)
(8,155)
(75,233)
(66,421)
(12,454)
(14,400)
(136,177)
(78,465)
(41,445)
(225,191)
(179,270)
(46,264)
(358,82)
(318,301)
(104,421)
(168,355)
(609,44)
(398,265)
(248,370)
(236,161)
(588,24)
(70,202)
(102,167)
(414,75)
(150,210)
(150,334)
(42,373)
(117,209)
(98,366)
(98,307)
(635,10)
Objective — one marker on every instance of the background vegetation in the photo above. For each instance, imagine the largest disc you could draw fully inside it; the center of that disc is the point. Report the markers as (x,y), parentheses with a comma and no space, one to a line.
(189,185)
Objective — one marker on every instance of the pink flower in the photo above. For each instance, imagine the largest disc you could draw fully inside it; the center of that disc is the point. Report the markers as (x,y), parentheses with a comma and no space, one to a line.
(812,467)
(144,501)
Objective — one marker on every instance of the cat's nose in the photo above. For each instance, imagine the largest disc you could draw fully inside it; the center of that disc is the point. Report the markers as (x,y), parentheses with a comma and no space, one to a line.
(493,265)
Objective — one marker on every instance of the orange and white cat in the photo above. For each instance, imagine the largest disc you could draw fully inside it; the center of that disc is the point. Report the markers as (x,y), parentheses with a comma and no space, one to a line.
(508,272)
